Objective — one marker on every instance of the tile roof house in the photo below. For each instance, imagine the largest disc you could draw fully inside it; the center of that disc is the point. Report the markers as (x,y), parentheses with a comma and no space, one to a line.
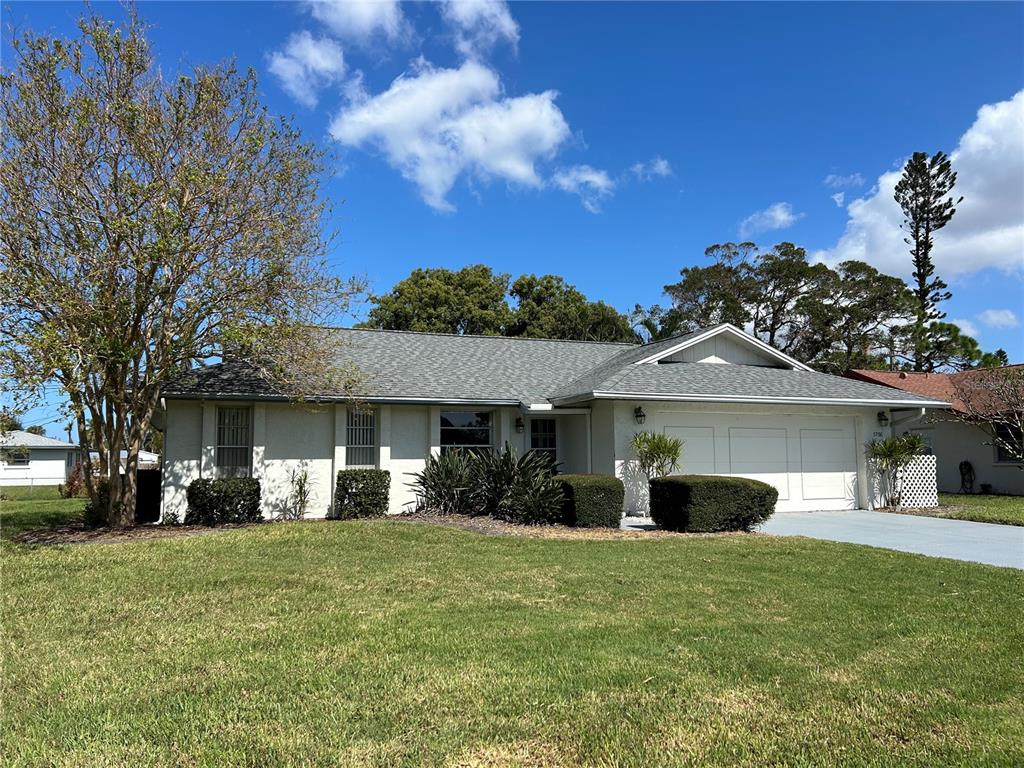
(740,406)
(30,459)
(952,441)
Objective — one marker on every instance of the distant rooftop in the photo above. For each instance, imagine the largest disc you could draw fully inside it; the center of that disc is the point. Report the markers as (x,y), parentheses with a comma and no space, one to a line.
(19,438)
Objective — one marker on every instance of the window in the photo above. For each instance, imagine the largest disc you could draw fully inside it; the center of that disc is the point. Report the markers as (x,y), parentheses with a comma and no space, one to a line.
(360,440)
(15,457)
(542,437)
(234,442)
(465,430)
(1005,434)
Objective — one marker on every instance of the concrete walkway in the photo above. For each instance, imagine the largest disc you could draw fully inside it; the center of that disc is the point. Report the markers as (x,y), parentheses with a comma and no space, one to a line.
(1001,545)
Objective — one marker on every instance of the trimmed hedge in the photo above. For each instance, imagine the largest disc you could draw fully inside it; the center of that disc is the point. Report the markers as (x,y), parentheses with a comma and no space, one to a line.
(701,503)
(361,493)
(228,500)
(592,501)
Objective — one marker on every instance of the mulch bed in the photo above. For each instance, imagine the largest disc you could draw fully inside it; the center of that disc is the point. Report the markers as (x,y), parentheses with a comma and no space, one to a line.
(491,527)
(77,533)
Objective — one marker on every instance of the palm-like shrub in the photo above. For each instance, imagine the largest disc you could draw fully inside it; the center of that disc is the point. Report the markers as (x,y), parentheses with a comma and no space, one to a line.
(446,486)
(500,484)
(520,489)
(891,456)
(656,454)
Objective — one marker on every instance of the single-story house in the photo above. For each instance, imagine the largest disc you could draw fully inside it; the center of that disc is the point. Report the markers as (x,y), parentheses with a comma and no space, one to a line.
(147,459)
(30,459)
(950,440)
(740,406)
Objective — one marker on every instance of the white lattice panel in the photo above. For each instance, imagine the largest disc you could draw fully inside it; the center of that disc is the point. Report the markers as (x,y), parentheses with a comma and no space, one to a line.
(918,486)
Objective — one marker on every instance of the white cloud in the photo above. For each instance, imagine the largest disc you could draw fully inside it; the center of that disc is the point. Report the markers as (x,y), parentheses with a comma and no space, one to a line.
(656,166)
(839,198)
(306,65)
(999,318)
(479,25)
(837,182)
(775,216)
(591,185)
(987,229)
(966,326)
(437,124)
(360,20)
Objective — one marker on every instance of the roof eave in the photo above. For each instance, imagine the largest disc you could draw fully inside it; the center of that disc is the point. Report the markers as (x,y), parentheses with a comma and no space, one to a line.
(694,398)
(237,396)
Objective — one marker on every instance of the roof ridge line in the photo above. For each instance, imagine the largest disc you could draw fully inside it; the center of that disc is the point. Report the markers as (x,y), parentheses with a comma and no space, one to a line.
(627,344)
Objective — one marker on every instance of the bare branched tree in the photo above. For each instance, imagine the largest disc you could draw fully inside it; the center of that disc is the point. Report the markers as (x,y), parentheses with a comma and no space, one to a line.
(150,224)
(993,399)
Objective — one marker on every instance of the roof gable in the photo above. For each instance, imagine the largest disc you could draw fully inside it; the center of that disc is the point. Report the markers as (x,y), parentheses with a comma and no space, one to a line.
(724,343)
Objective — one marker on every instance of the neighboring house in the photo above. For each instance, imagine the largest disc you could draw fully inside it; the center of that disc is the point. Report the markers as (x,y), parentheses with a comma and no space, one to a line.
(740,406)
(29,459)
(147,459)
(950,440)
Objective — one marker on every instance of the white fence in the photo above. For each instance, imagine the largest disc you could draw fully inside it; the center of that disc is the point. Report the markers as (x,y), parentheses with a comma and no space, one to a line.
(918,487)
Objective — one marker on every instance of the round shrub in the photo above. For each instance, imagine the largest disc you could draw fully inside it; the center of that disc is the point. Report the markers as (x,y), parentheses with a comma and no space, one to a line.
(592,501)
(703,503)
(361,493)
(228,500)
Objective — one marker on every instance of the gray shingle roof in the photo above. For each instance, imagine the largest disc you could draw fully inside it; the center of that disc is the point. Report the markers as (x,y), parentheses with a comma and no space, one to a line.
(726,382)
(400,365)
(18,438)
(403,365)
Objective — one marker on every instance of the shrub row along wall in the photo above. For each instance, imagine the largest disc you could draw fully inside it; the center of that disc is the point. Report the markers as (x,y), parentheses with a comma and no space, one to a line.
(704,503)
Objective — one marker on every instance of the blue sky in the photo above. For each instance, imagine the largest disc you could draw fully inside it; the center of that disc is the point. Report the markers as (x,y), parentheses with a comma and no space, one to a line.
(611,143)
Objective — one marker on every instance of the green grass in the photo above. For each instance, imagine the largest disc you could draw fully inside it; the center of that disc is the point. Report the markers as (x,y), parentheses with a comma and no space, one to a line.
(386,643)
(1008,510)
(23,508)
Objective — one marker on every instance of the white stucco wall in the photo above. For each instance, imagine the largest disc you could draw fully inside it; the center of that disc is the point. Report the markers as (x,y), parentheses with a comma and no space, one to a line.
(953,442)
(297,437)
(46,466)
(183,442)
(287,437)
(614,426)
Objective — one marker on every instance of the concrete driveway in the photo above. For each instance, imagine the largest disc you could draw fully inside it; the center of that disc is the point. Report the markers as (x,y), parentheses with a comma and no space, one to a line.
(957,539)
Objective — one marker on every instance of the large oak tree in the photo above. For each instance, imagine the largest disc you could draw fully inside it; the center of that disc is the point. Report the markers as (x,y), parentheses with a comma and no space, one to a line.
(150,224)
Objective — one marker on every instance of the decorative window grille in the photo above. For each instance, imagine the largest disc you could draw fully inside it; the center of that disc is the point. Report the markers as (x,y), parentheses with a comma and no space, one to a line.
(234,442)
(361,440)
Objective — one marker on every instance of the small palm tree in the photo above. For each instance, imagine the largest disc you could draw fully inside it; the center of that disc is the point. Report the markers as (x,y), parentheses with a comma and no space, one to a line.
(891,456)
(657,455)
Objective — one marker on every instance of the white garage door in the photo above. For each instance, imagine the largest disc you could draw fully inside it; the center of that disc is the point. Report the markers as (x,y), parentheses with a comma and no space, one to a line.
(811,460)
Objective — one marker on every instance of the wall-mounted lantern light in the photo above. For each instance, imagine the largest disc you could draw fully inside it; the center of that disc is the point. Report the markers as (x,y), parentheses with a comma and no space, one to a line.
(520,426)
(883,419)
(639,415)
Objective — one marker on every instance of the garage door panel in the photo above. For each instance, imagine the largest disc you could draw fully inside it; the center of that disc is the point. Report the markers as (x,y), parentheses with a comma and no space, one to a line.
(760,453)
(698,455)
(828,464)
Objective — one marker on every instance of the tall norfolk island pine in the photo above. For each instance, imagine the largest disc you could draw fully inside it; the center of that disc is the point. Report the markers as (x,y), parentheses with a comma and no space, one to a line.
(923,194)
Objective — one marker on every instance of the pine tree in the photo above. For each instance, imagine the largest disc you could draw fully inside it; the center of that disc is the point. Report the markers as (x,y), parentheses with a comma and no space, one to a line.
(923,194)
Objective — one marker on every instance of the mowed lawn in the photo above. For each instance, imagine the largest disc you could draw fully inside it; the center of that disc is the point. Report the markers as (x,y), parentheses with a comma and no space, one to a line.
(1008,510)
(388,643)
